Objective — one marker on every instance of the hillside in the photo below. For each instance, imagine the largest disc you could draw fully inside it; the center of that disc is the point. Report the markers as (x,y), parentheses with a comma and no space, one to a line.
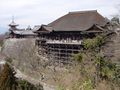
(36,68)
(25,59)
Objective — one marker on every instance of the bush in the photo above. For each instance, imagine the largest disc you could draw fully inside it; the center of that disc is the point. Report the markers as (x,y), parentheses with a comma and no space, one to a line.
(7,78)
(9,60)
(93,43)
(86,85)
(8,81)
(117,75)
(1,43)
(78,57)
(24,85)
(105,68)
(60,87)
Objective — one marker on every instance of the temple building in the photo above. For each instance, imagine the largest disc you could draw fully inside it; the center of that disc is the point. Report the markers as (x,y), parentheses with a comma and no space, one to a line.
(63,37)
(14,32)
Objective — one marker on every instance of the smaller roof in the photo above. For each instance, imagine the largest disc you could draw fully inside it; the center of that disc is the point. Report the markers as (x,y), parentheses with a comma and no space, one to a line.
(42,29)
(47,28)
(27,32)
(37,27)
(24,32)
(93,29)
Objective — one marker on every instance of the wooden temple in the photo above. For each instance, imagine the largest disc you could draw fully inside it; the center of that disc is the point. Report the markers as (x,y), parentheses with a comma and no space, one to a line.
(63,37)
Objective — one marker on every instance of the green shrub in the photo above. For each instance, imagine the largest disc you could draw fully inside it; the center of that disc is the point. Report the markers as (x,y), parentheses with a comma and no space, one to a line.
(1,43)
(105,68)
(78,57)
(88,85)
(60,88)
(93,43)
(116,79)
(7,78)
(8,81)
(9,60)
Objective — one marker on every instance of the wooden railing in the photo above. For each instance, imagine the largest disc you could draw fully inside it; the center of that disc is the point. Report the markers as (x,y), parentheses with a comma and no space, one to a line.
(64,41)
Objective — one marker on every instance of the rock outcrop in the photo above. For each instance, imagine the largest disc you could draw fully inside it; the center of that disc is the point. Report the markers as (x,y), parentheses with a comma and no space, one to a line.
(25,59)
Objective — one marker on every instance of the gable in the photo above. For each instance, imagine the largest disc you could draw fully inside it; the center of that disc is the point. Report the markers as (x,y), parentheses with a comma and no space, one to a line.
(44,29)
(95,28)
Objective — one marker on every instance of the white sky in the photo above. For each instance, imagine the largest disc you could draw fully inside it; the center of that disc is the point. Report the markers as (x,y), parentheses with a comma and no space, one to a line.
(36,12)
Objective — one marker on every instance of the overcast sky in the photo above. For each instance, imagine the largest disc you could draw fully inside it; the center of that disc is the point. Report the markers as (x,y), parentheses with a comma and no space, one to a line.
(36,12)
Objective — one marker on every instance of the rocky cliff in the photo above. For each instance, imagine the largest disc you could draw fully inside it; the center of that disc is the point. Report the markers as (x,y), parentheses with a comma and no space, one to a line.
(25,58)
(36,69)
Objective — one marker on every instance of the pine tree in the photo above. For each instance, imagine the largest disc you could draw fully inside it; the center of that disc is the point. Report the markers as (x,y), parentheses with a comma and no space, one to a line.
(7,78)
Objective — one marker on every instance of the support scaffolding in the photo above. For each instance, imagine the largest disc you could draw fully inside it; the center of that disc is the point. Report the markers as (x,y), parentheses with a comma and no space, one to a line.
(60,53)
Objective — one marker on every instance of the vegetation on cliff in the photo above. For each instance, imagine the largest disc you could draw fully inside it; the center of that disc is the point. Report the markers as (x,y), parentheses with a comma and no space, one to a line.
(91,69)
(8,81)
(95,67)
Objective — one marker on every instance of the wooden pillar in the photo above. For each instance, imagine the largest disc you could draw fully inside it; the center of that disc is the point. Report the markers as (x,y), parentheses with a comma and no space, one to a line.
(72,49)
(59,53)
